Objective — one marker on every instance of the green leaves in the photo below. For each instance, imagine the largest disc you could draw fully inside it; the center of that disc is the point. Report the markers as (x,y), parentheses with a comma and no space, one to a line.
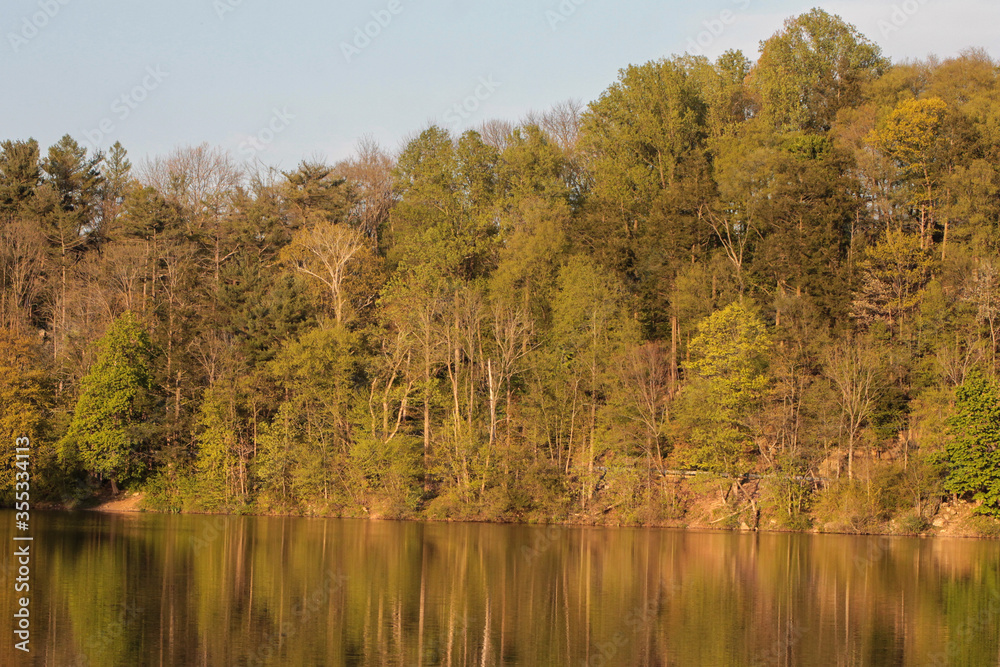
(974,450)
(508,314)
(728,383)
(909,131)
(590,317)
(105,430)
(448,193)
(20,174)
(730,351)
(642,132)
(817,65)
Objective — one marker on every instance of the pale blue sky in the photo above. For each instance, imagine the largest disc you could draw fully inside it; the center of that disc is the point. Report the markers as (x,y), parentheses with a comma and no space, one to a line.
(156,75)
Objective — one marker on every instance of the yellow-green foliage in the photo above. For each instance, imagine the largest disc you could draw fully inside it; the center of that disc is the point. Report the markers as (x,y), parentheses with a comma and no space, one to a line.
(106,432)
(23,402)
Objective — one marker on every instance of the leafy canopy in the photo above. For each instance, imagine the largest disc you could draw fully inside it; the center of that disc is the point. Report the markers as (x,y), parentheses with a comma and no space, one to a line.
(107,427)
(974,451)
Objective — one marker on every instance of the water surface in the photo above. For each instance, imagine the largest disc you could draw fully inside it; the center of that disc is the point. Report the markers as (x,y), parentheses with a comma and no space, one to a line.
(145,589)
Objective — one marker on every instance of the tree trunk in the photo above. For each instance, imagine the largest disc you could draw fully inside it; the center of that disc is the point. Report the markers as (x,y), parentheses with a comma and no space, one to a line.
(850,455)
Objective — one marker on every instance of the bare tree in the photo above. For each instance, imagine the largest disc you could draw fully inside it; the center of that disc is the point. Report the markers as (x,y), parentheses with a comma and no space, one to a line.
(562,123)
(323,251)
(176,268)
(124,269)
(646,376)
(413,312)
(512,330)
(984,294)
(734,235)
(369,175)
(874,170)
(956,360)
(204,181)
(200,178)
(462,331)
(212,350)
(392,386)
(22,255)
(856,371)
(496,133)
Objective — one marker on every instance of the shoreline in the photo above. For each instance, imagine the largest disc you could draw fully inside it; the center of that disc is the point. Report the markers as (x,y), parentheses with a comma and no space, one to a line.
(132,504)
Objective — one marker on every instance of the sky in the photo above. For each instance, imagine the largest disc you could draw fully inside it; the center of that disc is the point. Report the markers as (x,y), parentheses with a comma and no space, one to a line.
(278,83)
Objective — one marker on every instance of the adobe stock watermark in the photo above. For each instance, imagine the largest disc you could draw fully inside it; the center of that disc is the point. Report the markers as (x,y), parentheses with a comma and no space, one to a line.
(35,23)
(462,111)
(279,122)
(563,13)
(901,15)
(715,28)
(366,34)
(877,550)
(23,542)
(209,533)
(543,541)
(125,105)
(223,7)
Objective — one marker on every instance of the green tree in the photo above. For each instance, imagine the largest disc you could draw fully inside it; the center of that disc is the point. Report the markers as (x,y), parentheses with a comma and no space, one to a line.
(728,381)
(645,137)
(110,429)
(20,175)
(117,180)
(817,65)
(221,459)
(443,219)
(804,212)
(974,448)
(318,372)
(650,171)
(910,135)
(66,206)
(313,192)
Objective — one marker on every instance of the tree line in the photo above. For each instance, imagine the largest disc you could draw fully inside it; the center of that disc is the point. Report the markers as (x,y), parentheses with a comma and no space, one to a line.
(769,271)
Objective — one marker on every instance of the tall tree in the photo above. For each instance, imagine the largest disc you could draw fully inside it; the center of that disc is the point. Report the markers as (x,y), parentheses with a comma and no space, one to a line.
(894,272)
(327,253)
(591,325)
(66,205)
(811,69)
(111,427)
(116,171)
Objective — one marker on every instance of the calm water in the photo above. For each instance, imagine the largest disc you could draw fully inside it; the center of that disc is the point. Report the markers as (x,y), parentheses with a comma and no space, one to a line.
(182,590)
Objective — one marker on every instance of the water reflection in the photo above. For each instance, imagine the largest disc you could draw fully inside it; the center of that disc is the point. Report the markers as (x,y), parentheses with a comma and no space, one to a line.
(181,590)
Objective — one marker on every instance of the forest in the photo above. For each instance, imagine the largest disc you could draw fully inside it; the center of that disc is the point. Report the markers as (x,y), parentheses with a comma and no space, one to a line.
(747,293)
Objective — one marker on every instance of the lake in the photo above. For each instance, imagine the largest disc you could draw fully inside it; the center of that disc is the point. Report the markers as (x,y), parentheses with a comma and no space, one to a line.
(145,589)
